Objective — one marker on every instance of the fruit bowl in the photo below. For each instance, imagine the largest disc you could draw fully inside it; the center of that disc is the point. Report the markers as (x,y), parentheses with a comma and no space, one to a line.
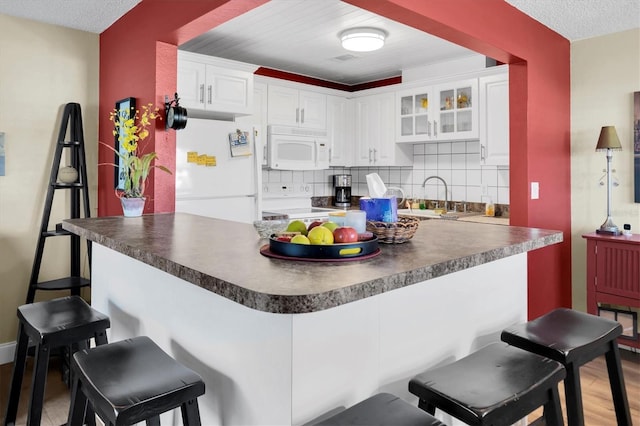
(266,228)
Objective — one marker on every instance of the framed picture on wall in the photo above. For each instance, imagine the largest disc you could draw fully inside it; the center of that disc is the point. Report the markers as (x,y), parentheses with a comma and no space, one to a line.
(636,145)
(126,108)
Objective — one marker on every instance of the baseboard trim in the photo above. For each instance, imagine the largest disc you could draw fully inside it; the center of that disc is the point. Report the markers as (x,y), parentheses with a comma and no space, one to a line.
(6,352)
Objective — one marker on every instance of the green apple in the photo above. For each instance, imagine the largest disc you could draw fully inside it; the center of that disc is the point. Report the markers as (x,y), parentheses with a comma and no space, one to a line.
(331,226)
(297,226)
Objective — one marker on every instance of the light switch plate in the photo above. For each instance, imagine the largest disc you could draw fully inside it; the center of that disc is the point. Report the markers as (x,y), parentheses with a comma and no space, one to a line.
(535,190)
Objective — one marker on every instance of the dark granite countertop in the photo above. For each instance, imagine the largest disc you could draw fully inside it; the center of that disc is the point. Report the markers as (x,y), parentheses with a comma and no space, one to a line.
(223,257)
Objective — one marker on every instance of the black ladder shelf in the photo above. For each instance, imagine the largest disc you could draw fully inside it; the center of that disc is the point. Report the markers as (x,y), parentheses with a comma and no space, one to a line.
(71,123)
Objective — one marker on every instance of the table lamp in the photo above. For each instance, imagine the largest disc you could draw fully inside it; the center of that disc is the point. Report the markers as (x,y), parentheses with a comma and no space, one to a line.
(609,141)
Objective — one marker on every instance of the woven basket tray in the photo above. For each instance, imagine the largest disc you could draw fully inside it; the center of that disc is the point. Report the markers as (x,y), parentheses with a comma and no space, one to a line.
(394,232)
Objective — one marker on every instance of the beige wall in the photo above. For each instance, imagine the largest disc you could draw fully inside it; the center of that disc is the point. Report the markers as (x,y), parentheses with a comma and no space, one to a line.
(42,67)
(605,71)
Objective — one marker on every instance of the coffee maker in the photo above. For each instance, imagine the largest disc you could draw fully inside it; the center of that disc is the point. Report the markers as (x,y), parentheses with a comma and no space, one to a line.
(342,190)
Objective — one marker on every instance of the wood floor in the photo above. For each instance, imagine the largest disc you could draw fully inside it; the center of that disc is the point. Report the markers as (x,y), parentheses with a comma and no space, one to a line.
(597,402)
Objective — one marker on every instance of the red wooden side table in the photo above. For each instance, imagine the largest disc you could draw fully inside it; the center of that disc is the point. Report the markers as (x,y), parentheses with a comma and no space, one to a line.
(613,274)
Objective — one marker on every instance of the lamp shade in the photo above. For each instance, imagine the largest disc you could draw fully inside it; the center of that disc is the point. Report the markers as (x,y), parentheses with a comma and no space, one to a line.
(362,39)
(608,139)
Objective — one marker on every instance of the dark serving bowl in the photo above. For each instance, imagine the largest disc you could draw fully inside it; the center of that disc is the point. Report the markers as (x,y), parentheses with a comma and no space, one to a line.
(333,251)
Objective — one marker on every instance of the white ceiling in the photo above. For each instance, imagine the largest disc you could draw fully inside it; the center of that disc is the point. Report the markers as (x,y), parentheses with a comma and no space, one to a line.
(301,36)
(263,36)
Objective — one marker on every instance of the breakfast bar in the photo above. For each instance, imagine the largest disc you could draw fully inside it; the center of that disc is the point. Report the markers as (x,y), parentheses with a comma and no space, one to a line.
(282,341)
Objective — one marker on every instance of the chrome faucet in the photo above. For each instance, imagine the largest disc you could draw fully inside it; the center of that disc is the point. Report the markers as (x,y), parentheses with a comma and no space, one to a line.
(446,192)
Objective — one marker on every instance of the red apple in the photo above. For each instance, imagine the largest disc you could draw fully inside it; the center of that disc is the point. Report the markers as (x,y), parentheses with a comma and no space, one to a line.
(345,234)
(314,224)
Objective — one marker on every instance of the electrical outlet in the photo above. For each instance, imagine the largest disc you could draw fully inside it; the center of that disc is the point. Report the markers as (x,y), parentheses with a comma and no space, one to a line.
(484,188)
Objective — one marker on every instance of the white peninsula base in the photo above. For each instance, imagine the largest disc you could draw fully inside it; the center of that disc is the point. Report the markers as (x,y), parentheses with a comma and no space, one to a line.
(281,369)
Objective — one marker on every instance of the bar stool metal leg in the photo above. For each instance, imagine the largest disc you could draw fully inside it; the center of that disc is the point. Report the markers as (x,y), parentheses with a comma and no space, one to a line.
(38,382)
(19,360)
(153,421)
(552,411)
(78,407)
(190,413)
(574,403)
(616,381)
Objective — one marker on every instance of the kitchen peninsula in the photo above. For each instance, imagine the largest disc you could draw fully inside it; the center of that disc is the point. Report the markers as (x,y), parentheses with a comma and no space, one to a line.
(282,342)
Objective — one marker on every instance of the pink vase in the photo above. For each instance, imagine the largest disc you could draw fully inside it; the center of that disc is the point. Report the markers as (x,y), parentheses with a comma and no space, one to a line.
(132,207)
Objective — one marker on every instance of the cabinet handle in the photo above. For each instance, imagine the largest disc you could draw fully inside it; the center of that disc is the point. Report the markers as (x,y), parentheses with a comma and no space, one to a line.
(370,154)
(435,128)
(482,152)
(210,90)
(375,155)
(302,116)
(202,93)
(297,115)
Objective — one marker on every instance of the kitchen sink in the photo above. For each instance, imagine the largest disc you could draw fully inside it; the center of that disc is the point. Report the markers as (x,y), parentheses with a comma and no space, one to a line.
(429,214)
(433,214)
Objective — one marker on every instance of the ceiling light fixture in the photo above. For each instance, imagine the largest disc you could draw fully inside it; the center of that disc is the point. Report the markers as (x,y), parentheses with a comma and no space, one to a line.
(362,39)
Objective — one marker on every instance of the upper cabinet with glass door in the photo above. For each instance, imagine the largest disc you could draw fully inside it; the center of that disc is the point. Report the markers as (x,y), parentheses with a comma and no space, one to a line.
(457,110)
(415,120)
(434,113)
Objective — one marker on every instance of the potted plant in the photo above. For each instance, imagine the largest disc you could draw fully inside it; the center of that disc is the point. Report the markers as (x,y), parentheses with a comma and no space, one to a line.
(131,132)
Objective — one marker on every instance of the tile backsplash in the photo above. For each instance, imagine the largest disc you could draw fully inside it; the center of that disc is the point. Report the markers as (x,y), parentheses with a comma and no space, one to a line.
(458,163)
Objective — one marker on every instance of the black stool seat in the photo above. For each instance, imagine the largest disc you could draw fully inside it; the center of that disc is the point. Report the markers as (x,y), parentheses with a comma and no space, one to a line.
(574,338)
(382,409)
(131,381)
(67,321)
(496,385)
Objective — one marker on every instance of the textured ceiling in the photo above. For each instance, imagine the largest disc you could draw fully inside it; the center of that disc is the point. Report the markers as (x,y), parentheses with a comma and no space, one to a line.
(580,19)
(573,19)
(87,15)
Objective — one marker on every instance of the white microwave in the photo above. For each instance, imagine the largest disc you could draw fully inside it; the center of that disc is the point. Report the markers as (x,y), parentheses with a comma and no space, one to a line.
(295,148)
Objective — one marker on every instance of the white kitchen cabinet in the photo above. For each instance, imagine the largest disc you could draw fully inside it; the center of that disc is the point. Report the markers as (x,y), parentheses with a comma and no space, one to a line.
(340,130)
(375,133)
(494,120)
(299,108)
(440,112)
(215,86)
(456,113)
(414,117)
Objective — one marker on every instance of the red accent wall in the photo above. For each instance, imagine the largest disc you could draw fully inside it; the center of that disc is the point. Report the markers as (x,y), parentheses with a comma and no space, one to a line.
(138,58)
(283,75)
(539,116)
(539,95)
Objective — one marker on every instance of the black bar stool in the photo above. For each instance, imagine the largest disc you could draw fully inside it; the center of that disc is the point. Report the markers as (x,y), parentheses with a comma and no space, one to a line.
(496,385)
(382,409)
(67,321)
(574,338)
(130,381)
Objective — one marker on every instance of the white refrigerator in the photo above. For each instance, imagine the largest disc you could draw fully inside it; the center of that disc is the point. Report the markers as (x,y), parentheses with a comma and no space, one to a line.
(217,175)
